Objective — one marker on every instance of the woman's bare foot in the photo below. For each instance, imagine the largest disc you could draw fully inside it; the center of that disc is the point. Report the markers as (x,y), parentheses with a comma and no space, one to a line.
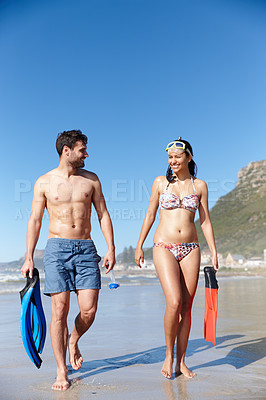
(75,358)
(183,369)
(167,369)
(61,382)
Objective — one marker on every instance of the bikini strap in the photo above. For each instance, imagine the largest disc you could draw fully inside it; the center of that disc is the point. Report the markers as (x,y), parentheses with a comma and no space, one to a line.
(192,180)
(167,186)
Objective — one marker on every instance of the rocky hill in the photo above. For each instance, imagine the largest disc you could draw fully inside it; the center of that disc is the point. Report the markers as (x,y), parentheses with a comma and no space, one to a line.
(239,218)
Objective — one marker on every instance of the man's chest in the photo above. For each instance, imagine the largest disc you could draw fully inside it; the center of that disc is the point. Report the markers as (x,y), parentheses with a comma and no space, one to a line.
(76,190)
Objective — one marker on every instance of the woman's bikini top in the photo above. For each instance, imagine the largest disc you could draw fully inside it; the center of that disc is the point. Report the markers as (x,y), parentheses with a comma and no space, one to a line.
(170,201)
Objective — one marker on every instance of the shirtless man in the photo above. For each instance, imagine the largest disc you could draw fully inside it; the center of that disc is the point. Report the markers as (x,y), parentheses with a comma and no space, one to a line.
(70,259)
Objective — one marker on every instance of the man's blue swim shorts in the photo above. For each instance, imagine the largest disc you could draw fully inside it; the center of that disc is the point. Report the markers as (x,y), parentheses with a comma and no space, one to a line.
(70,264)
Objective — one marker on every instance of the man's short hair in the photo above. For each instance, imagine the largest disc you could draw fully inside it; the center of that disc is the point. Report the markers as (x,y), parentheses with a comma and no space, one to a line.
(69,138)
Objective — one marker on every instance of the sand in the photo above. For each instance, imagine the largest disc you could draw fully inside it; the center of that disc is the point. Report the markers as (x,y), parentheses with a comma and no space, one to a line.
(124,349)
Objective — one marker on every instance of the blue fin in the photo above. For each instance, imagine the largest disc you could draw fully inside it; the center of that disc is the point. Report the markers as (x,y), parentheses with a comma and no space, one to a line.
(32,319)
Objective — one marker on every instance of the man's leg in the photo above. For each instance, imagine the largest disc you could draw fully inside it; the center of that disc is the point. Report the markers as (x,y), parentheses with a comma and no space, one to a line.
(59,337)
(88,300)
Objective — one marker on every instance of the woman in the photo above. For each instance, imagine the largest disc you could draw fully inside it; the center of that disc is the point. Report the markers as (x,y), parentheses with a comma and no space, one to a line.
(176,252)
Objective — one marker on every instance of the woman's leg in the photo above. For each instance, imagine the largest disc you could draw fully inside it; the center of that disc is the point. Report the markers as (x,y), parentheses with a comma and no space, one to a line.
(168,271)
(189,279)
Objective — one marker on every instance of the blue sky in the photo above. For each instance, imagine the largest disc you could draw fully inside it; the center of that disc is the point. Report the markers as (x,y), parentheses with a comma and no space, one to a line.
(132,75)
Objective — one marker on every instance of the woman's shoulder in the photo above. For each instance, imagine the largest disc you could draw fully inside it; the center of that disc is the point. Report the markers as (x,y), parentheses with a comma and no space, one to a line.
(160,179)
(199,184)
(198,181)
(159,183)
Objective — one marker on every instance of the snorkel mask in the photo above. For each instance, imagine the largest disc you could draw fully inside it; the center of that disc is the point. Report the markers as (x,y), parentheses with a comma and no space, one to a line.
(177,145)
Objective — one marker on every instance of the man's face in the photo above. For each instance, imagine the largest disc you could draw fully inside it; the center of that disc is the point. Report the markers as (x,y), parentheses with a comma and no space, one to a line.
(78,154)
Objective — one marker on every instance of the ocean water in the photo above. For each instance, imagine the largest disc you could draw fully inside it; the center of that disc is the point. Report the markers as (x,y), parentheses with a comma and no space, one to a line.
(11,279)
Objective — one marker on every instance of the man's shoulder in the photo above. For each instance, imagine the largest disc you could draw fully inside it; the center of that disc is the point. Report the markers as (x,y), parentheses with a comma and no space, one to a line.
(53,174)
(47,176)
(88,174)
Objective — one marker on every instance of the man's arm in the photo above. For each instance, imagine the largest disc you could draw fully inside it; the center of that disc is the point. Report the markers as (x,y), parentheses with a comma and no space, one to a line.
(34,227)
(105,224)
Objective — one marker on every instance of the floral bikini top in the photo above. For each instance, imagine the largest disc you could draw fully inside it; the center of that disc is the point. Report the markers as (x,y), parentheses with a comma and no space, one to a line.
(170,201)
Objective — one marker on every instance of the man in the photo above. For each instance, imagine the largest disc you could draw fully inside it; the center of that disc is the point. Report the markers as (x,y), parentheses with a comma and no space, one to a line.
(70,259)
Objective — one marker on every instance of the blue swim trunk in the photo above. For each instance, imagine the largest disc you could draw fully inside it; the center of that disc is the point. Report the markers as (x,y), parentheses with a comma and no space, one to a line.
(70,264)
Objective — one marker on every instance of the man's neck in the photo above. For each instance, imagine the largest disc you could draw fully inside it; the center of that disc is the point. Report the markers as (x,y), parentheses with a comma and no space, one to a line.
(65,169)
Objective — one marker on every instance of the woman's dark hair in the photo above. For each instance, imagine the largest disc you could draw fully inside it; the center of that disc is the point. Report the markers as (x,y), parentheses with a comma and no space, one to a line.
(69,138)
(191,165)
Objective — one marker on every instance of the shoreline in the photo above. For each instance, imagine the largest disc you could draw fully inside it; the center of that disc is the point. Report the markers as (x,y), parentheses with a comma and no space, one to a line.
(222,272)
(124,349)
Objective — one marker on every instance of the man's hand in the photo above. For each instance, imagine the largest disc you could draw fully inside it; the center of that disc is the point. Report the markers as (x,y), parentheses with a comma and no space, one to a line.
(27,266)
(109,260)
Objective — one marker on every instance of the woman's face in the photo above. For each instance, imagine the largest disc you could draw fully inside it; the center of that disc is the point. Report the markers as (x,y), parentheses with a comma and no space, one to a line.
(178,160)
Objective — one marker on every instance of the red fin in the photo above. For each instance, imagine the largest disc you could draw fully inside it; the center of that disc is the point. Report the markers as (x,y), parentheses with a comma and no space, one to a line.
(211,307)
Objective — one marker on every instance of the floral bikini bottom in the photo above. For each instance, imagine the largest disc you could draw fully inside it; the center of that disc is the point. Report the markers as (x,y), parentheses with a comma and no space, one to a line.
(179,250)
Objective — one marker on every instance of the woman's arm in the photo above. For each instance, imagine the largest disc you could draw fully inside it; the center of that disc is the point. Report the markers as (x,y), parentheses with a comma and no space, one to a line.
(148,220)
(206,224)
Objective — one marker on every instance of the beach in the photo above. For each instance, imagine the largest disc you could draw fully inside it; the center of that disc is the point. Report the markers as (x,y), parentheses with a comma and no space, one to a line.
(124,349)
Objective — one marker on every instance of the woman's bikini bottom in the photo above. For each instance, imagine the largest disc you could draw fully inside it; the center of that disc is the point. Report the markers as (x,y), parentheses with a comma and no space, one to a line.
(179,250)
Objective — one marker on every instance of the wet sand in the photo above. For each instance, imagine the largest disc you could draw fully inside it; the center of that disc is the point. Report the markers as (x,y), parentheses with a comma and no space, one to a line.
(124,350)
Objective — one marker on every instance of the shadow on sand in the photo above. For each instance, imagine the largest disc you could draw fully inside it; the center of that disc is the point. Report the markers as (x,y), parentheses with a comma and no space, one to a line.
(242,353)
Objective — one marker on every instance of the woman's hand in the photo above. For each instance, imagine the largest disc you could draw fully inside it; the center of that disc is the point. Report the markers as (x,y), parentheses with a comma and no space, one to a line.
(139,256)
(215,262)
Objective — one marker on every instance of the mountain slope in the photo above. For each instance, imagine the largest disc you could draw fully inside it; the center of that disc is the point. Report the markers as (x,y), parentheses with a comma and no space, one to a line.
(239,218)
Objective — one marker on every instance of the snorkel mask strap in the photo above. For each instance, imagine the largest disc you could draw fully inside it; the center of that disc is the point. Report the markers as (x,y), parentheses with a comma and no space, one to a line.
(178,145)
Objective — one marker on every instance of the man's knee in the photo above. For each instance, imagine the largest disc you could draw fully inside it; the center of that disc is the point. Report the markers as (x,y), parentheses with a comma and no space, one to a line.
(88,313)
(60,311)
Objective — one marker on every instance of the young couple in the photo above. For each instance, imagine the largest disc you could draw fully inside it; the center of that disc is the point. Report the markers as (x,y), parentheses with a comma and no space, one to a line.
(71,260)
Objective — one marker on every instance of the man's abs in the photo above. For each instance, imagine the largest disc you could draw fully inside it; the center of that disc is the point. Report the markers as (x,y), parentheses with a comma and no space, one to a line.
(70,221)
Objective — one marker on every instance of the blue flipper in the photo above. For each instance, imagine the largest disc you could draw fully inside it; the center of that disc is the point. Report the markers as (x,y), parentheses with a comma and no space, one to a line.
(25,327)
(32,319)
(41,317)
(36,328)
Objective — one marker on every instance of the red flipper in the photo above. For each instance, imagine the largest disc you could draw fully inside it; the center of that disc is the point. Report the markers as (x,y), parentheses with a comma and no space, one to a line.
(211,304)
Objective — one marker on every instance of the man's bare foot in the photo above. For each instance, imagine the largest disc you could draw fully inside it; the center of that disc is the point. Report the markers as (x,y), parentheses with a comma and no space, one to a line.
(61,382)
(183,369)
(75,358)
(167,369)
